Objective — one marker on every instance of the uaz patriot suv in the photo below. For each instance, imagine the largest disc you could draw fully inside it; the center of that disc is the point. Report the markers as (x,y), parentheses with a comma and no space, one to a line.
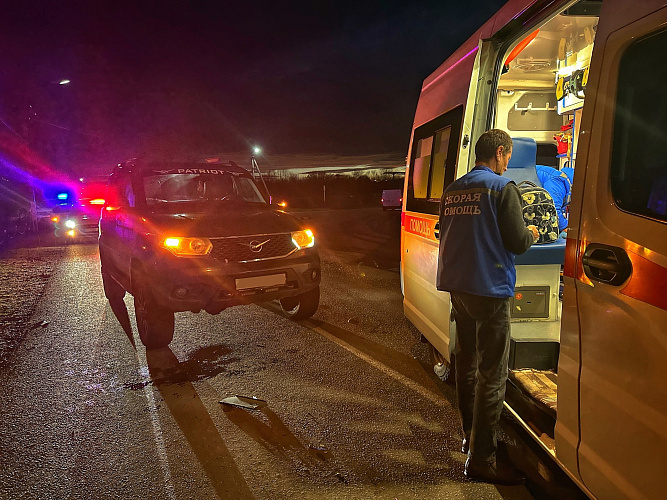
(187,237)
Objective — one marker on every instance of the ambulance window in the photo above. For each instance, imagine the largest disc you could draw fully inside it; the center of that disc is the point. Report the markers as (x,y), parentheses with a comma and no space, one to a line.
(439,161)
(639,155)
(420,169)
(432,164)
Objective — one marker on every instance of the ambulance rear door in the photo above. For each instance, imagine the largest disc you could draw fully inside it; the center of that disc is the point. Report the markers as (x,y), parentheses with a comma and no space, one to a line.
(621,264)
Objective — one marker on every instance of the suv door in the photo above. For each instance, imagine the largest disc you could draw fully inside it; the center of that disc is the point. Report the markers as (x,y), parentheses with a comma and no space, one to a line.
(117,228)
(621,266)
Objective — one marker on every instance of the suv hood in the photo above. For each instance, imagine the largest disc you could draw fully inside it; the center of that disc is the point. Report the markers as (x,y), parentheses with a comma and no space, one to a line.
(237,221)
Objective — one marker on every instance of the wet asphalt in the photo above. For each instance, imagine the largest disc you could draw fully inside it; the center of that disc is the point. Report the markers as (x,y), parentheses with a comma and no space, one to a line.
(350,407)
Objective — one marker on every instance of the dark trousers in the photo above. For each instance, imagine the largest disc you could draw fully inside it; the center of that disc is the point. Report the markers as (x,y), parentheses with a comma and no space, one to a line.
(482,356)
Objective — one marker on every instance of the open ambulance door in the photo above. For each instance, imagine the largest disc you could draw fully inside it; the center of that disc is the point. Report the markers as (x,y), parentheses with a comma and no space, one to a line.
(617,259)
(441,151)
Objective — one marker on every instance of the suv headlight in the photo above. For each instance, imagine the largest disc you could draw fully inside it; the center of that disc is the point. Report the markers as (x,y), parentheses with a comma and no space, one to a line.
(187,247)
(303,239)
(70,224)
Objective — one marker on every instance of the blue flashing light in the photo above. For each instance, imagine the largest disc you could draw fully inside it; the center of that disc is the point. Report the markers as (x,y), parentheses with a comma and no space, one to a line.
(62,196)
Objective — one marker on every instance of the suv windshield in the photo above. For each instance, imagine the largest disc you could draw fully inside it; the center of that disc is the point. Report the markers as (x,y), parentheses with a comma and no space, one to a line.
(223,186)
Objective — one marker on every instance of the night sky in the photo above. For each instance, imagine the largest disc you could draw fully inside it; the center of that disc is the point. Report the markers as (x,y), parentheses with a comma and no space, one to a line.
(170,78)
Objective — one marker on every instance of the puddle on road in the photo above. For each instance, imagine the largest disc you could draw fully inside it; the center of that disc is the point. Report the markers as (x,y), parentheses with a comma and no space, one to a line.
(201,364)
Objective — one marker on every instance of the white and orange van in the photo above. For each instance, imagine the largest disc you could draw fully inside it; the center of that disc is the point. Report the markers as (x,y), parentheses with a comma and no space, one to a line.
(577,84)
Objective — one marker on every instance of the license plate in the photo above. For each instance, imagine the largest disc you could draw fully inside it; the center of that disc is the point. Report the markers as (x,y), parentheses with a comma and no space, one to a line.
(260,281)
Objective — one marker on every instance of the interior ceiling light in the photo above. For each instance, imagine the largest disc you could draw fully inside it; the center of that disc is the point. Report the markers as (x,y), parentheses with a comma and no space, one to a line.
(531,64)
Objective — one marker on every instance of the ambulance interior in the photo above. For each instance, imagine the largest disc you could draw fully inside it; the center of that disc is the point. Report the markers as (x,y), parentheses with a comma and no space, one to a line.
(541,93)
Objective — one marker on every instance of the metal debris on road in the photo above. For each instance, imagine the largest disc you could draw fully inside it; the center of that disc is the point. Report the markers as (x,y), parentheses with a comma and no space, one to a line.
(40,324)
(251,403)
(320,452)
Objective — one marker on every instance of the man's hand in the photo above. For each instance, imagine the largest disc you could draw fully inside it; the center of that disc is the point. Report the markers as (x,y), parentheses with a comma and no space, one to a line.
(536,234)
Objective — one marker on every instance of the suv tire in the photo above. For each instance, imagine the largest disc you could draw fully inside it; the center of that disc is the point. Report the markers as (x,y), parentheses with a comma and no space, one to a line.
(301,306)
(155,323)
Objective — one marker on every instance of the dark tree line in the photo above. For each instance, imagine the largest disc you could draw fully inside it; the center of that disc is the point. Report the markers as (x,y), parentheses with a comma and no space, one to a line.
(332,191)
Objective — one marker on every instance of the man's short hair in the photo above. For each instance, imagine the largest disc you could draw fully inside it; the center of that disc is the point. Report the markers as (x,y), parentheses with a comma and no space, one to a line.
(488,143)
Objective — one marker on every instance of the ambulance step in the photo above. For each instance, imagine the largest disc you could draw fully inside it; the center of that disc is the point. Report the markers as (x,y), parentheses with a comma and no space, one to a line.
(532,394)
(533,330)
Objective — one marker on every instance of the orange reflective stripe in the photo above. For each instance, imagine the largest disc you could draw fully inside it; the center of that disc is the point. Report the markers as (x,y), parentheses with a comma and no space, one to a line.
(648,282)
(420,226)
(570,257)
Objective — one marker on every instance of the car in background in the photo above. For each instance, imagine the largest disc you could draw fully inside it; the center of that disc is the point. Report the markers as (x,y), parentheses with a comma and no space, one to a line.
(191,237)
(392,199)
(76,223)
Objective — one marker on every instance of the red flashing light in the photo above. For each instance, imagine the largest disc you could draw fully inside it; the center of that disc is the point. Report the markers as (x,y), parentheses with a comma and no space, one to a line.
(522,45)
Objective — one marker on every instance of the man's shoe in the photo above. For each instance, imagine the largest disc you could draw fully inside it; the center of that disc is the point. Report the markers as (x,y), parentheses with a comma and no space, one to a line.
(494,473)
(465,445)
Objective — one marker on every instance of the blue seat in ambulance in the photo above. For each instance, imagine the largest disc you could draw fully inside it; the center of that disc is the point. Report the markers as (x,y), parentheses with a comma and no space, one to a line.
(522,163)
(521,167)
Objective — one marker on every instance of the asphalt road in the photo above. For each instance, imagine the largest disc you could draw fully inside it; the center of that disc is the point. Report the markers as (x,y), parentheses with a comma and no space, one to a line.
(350,406)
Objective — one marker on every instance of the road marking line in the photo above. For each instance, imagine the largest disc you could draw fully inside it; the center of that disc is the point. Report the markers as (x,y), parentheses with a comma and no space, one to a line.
(157,429)
(399,377)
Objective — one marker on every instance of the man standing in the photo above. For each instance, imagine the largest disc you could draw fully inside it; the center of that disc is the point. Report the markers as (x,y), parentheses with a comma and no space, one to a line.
(481,230)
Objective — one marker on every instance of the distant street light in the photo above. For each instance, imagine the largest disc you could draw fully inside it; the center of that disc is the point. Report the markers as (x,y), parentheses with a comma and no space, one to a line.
(63,82)
(257,150)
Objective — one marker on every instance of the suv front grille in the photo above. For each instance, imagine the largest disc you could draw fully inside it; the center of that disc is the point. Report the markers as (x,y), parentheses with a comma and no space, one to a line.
(252,248)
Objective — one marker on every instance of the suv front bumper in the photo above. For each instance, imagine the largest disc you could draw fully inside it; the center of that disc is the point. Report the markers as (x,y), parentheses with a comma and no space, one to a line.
(193,284)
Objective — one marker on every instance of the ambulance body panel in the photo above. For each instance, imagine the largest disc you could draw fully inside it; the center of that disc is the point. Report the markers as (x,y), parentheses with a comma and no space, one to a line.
(609,322)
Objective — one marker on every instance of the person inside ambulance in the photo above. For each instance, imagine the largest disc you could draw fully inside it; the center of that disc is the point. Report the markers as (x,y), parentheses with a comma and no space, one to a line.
(482,229)
(559,185)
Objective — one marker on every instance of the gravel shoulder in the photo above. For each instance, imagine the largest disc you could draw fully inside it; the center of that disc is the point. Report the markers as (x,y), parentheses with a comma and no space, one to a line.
(24,273)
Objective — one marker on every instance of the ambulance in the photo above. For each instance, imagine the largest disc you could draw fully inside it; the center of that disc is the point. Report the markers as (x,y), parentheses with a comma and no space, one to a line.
(579,85)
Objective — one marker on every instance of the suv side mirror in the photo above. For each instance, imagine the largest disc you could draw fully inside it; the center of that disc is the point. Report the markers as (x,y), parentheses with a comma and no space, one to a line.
(112,200)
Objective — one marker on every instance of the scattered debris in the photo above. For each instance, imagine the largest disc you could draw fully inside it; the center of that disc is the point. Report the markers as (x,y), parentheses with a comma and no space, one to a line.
(251,403)
(320,452)
(353,321)
(341,478)
(40,324)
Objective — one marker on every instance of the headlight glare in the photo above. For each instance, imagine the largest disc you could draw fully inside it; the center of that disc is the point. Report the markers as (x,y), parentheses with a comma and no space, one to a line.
(70,224)
(303,239)
(187,247)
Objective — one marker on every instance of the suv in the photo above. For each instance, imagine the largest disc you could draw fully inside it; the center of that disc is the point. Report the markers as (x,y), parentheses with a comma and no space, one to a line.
(187,237)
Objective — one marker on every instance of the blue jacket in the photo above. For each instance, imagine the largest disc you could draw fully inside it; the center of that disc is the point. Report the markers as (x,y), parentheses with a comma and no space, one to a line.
(559,185)
(473,254)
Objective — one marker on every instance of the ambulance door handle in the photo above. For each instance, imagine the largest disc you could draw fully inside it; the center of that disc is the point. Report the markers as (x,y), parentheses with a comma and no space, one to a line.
(436,231)
(606,264)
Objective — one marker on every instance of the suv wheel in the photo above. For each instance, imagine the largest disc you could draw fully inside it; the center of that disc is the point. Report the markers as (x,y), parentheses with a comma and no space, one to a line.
(155,323)
(301,306)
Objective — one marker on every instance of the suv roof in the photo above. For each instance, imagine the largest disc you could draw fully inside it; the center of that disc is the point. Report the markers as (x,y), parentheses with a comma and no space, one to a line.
(143,167)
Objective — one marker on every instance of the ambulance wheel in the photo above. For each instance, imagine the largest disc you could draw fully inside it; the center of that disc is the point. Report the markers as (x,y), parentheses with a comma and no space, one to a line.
(301,306)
